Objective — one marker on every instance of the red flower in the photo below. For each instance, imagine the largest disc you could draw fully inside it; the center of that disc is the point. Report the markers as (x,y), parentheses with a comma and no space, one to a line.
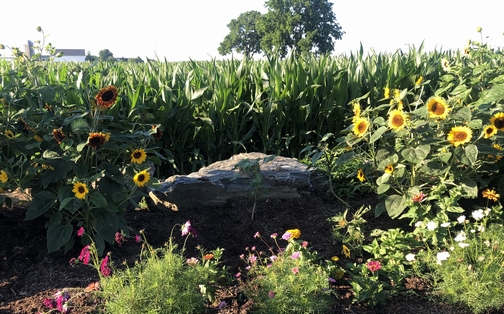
(105,268)
(80,232)
(85,255)
(119,238)
(418,198)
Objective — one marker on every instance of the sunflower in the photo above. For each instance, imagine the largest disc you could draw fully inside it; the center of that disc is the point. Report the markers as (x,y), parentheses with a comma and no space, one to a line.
(491,195)
(459,135)
(58,135)
(3,176)
(360,175)
(360,126)
(141,178)
(386,93)
(356,111)
(106,97)
(445,65)
(80,190)
(437,108)
(9,134)
(107,137)
(96,139)
(489,131)
(397,120)
(498,121)
(157,129)
(138,156)
(389,169)
(498,147)
(419,81)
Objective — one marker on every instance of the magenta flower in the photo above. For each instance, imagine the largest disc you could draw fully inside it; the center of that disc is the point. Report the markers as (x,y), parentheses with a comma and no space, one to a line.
(257,235)
(137,238)
(50,303)
(274,235)
(238,275)
(85,255)
(295,255)
(271,294)
(295,270)
(253,248)
(373,266)
(287,236)
(105,268)
(119,238)
(72,261)
(80,232)
(188,229)
(332,279)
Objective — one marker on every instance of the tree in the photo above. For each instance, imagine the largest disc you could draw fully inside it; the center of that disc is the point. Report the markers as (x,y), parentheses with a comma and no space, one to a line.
(90,57)
(244,36)
(106,55)
(304,25)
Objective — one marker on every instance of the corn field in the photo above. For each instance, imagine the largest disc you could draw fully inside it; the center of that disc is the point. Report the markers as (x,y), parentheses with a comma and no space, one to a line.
(208,111)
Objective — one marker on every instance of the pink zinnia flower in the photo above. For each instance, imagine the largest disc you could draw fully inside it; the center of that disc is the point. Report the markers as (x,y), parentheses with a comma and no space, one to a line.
(373,266)
(85,255)
(295,255)
(105,268)
(295,270)
(80,232)
(119,238)
(418,198)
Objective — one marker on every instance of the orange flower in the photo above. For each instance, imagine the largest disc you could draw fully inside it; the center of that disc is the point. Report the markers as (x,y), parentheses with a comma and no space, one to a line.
(106,97)
(58,135)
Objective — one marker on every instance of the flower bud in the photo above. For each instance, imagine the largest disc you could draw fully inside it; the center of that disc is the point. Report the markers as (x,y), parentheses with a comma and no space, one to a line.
(479,29)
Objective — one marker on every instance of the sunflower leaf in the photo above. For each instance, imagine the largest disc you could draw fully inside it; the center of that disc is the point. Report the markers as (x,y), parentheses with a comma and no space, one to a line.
(57,236)
(378,134)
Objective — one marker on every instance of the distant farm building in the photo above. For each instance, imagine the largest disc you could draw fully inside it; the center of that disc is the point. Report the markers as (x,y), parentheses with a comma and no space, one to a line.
(78,55)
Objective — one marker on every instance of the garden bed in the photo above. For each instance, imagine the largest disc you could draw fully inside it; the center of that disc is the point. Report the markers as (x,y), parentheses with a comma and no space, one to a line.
(28,273)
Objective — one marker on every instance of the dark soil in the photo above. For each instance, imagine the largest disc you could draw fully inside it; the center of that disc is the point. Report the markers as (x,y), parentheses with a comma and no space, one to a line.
(28,273)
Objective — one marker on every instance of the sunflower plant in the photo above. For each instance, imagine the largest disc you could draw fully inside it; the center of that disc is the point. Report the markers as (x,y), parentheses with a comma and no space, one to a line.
(93,169)
(443,147)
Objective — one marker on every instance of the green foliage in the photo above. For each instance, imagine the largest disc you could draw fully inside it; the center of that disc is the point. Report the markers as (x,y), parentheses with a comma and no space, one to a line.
(305,26)
(253,169)
(288,280)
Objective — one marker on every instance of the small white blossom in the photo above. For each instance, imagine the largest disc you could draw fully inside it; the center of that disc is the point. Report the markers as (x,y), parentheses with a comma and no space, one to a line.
(431,225)
(463,245)
(461,219)
(461,236)
(481,228)
(472,231)
(478,214)
(487,211)
(418,224)
(452,248)
(445,224)
(487,243)
(410,257)
(442,256)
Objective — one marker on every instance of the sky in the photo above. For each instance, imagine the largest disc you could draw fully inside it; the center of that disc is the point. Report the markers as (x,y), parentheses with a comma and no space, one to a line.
(193,29)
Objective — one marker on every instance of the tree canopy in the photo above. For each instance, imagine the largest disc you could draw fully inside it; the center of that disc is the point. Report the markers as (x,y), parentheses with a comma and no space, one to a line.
(304,25)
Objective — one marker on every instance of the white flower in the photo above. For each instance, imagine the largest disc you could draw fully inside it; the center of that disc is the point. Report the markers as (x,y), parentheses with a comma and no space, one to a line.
(452,248)
(431,225)
(461,236)
(487,243)
(461,219)
(418,224)
(481,228)
(445,224)
(478,214)
(410,257)
(487,211)
(442,256)
(463,245)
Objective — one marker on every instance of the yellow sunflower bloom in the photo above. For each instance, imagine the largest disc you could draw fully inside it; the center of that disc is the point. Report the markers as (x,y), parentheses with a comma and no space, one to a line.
(397,120)
(437,107)
(459,135)
(346,251)
(386,93)
(106,97)
(9,134)
(356,111)
(360,126)
(498,121)
(489,131)
(80,190)
(360,175)
(419,81)
(491,195)
(96,139)
(389,169)
(3,176)
(138,156)
(141,178)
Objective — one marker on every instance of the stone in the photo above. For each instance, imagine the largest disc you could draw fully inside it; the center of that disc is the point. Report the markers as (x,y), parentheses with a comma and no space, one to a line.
(282,178)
